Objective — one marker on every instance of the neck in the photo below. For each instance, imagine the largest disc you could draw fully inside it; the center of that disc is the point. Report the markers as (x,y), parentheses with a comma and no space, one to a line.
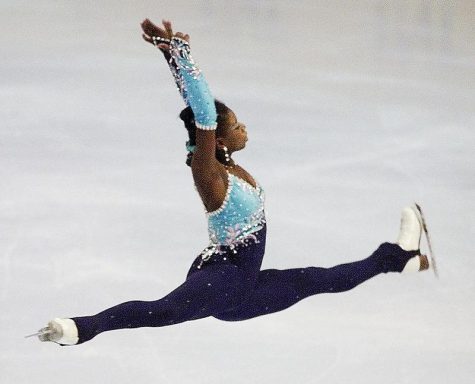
(227,161)
(230,164)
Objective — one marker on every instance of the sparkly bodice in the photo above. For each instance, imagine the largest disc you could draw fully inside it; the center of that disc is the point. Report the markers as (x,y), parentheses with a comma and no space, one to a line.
(240,215)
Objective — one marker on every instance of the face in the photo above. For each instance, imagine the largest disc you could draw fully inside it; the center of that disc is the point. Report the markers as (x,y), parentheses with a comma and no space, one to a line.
(235,137)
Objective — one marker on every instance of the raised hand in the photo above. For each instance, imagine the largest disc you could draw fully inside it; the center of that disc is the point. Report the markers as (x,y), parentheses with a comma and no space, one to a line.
(160,36)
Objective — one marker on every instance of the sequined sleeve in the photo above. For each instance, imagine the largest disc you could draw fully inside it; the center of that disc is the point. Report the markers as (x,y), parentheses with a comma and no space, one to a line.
(175,73)
(192,84)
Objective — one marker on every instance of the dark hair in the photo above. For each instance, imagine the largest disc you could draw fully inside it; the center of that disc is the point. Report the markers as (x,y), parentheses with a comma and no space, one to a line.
(188,119)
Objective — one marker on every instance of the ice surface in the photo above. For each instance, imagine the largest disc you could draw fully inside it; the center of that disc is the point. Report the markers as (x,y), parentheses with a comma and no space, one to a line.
(354,109)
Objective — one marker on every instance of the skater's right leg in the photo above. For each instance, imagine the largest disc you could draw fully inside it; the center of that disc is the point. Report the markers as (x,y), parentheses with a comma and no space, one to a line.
(277,290)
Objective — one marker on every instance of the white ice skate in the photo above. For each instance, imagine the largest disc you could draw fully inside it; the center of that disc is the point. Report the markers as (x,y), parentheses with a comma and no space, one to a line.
(412,225)
(60,331)
(409,239)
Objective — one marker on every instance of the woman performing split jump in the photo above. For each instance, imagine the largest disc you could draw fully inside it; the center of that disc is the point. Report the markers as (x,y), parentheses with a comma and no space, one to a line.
(226,281)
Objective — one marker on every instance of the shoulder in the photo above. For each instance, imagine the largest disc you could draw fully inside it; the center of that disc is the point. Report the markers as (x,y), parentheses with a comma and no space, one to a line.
(211,184)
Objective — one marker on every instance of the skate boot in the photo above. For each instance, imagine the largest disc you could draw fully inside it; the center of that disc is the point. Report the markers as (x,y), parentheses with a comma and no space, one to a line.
(60,331)
(410,238)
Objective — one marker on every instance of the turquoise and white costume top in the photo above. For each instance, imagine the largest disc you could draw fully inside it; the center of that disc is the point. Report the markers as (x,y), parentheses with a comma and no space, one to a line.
(242,211)
(240,215)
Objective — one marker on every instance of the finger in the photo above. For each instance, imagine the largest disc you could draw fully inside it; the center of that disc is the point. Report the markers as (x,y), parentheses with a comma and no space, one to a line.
(157,28)
(148,39)
(183,36)
(168,28)
(152,30)
(145,25)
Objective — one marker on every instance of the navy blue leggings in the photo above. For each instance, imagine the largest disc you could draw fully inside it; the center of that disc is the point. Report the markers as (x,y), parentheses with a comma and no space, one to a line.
(231,287)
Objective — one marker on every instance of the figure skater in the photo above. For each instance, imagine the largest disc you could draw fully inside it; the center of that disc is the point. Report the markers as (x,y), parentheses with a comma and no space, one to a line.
(226,281)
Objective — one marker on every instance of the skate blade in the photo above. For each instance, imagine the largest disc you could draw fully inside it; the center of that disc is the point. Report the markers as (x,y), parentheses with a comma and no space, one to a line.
(37,334)
(428,240)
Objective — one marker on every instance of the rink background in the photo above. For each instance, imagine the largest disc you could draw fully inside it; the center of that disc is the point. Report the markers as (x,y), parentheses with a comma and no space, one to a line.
(353,109)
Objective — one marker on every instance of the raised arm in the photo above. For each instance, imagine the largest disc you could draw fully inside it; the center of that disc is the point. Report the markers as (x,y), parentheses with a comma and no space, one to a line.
(161,38)
(192,86)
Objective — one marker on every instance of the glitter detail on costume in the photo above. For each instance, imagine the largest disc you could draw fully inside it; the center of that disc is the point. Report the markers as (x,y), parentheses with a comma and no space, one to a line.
(234,223)
(192,84)
(180,51)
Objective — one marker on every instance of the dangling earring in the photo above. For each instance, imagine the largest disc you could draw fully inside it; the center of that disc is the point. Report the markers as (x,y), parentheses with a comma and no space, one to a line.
(227,158)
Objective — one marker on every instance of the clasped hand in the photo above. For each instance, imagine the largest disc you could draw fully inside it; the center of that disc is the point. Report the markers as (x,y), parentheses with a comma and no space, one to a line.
(159,36)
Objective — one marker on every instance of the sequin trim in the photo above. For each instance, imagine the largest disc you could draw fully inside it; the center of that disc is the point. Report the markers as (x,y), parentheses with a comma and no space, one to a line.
(206,127)
(242,234)
(209,251)
(180,51)
(233,241)
(248,185)
(175,70)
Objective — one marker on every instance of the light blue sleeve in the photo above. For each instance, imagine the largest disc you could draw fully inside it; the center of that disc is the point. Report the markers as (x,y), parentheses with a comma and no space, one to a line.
(192,85)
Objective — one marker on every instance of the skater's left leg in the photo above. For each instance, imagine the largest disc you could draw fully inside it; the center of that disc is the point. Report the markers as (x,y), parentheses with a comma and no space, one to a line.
(279,289)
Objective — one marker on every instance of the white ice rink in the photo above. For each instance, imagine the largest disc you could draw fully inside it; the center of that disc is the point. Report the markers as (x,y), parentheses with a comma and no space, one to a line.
(354,109)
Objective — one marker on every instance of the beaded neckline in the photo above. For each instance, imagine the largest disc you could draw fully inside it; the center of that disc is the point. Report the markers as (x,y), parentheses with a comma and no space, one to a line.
(257,188)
